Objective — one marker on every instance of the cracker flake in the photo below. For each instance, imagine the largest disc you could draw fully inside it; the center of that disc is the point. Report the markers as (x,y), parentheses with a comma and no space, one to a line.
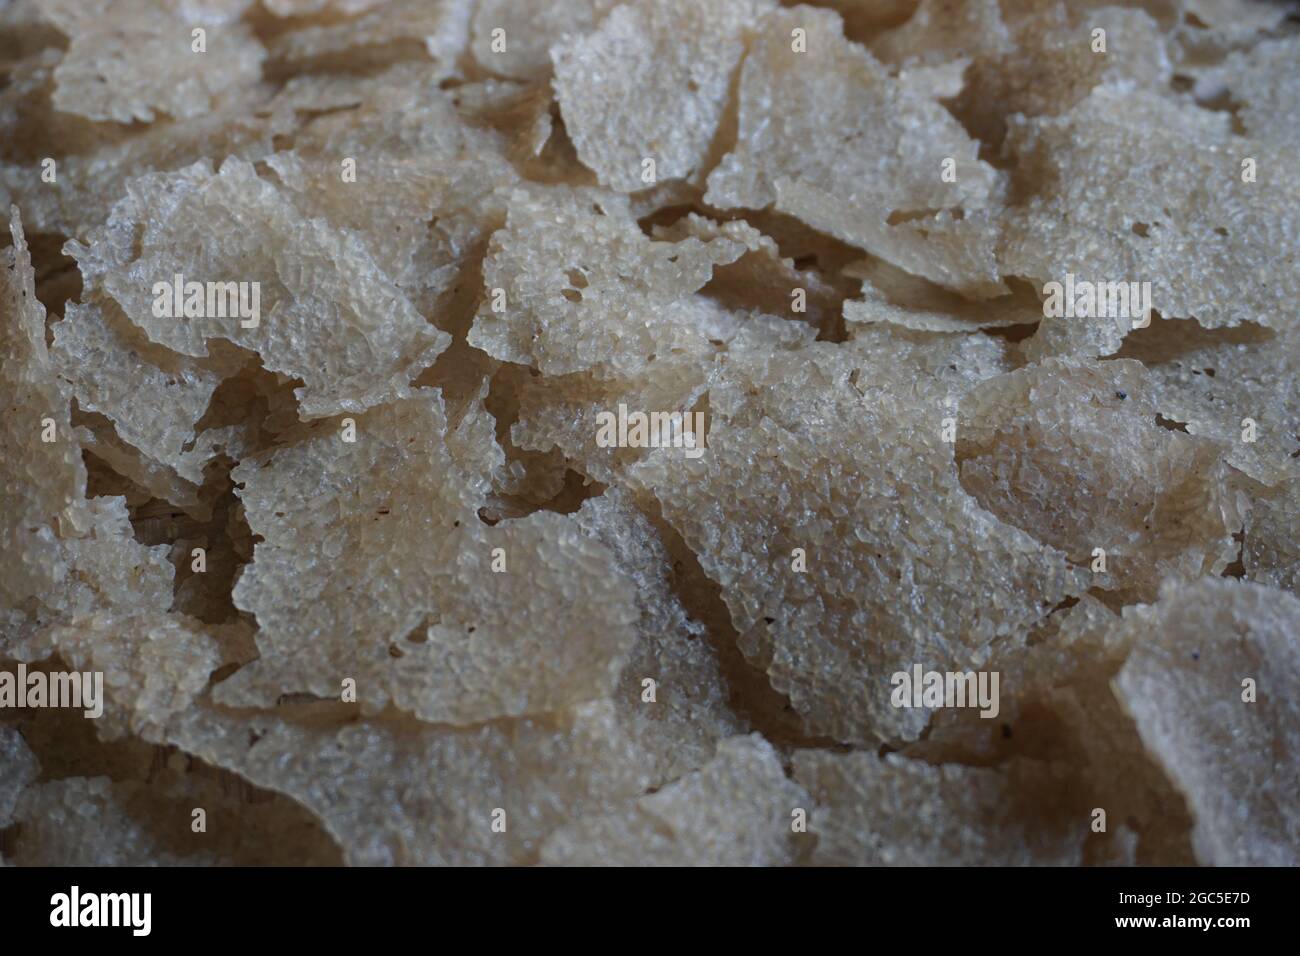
(1184,685)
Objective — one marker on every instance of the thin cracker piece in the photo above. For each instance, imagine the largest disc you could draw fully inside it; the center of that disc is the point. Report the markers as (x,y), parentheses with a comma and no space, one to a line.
(95,161)
(685,51)
(377,569)
(522,50)
(1055,703)
(689,714)
(153,396)
(762,278)
(890,811)
(943,30)
(1264,84)
(98,821)
(393,793)
(889,294)
(154,665)
(72,555)
(736,810)
(1072,452)
(108,569)
(1052,63)
(45,481)
(1185,685)
(420,179)
(421,30)
(129,60)
(18,769)
(887,141)
(573,284)
(1107,206)
(1240,386)
(328,313)
(776,443)
(1270,552)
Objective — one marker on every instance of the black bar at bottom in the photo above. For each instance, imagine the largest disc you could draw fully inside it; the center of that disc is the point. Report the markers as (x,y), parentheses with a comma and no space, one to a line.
(333,907)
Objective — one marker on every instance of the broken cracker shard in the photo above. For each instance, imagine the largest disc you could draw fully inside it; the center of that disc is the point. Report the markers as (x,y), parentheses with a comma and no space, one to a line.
(511,433)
